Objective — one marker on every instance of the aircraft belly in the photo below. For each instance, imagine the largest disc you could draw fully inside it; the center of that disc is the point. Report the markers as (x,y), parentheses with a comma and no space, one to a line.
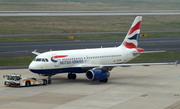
(59,70)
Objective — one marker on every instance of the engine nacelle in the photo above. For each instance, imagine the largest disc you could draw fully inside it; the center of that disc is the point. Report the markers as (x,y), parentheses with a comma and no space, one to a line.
(94,75)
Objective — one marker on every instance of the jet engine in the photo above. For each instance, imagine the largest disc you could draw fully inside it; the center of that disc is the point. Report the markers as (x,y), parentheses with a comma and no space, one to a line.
(94,75)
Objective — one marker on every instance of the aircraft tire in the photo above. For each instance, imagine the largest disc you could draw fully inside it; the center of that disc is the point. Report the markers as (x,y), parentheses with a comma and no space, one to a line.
(105,80)
(73,76)
(69,76)
(49,81)
(100,80)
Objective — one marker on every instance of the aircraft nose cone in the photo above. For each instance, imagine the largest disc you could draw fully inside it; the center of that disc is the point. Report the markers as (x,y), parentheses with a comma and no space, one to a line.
(31,66)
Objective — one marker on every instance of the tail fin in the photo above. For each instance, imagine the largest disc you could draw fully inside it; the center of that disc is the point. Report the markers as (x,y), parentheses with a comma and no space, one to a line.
(131,39)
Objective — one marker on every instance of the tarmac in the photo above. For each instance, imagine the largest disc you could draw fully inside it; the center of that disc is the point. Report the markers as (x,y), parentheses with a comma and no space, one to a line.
(136,87)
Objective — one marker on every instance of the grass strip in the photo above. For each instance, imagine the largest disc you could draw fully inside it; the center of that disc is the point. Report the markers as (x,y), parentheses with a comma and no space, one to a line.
(79,37)
(163,34)
(77,24)
(149,57)
(87,5)
(15,61)
(61,37)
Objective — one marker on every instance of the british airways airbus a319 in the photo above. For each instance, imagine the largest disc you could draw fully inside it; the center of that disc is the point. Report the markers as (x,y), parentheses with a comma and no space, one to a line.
(95,63)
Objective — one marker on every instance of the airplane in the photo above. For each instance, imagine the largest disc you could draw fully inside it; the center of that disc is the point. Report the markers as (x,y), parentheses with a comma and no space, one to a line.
(96,63)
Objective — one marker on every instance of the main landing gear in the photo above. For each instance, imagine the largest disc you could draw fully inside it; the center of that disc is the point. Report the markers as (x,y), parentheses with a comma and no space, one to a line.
(71,76)
(104,80)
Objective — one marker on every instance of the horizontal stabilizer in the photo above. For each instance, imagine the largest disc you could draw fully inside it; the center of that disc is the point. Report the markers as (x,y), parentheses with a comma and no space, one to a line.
(150,52)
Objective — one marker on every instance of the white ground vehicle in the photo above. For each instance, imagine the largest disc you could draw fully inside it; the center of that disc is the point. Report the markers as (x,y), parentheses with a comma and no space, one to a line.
(16,80)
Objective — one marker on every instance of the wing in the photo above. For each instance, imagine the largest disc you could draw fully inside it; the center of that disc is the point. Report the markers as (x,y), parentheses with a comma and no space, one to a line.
(109,67)
(36,53)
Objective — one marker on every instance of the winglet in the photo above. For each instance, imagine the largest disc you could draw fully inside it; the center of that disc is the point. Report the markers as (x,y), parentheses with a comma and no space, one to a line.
(36,53)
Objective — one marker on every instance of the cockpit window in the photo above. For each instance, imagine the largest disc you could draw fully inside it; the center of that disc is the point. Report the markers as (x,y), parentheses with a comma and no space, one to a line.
(38,59)
(41,59)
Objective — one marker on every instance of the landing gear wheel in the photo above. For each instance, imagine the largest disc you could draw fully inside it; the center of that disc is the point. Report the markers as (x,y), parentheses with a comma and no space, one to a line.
(100,80)
(104,80)
(28,83)
(44,82)
(49,81)
(71,76)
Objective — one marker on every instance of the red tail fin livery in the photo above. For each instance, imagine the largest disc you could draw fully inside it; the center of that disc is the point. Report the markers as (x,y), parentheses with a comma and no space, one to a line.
(131,39)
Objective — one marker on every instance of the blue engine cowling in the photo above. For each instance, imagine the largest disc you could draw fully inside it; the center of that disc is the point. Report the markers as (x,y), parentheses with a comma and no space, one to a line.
(94,75)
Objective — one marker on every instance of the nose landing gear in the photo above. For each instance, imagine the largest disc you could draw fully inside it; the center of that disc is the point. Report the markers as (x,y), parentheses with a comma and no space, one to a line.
(49,79)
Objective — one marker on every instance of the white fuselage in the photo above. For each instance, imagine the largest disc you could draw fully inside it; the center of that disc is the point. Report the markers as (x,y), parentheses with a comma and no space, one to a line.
(72,60)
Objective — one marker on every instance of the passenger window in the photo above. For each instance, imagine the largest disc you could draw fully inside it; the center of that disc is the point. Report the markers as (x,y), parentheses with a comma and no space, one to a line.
(43,60)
